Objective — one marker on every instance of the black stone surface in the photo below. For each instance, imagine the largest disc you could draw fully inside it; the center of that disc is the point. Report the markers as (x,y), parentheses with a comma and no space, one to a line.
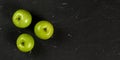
(84,29)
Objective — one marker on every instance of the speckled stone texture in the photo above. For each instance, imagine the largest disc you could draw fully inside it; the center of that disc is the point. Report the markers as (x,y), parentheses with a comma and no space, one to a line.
(84,29)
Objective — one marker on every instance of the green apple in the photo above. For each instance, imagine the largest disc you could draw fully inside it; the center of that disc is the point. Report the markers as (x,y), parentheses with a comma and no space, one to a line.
(25,42)
(43,30)
(22,18)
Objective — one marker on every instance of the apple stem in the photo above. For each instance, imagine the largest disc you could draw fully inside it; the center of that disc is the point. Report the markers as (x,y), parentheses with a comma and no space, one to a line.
(18,18)
(23,43)
(45,29)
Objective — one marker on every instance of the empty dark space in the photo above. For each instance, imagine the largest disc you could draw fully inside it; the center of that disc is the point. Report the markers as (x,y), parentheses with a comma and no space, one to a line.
(84,29)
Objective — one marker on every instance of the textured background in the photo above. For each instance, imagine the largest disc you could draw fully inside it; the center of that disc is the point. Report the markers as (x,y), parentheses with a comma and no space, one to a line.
(84,29)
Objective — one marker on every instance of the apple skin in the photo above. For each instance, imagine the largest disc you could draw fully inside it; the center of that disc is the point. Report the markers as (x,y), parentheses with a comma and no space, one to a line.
(21,18)
(25,42)
(44,30)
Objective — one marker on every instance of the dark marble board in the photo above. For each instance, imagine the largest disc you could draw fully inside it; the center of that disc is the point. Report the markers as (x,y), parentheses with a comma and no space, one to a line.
(84,29)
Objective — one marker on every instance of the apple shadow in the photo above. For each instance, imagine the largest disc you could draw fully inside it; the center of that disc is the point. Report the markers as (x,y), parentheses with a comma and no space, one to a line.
(40,47)
(35,18)
(38,50)
(58,38)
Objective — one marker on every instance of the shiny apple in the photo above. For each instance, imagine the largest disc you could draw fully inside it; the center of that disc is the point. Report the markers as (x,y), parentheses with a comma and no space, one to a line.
(21,18)
(44,29)
(25,42)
